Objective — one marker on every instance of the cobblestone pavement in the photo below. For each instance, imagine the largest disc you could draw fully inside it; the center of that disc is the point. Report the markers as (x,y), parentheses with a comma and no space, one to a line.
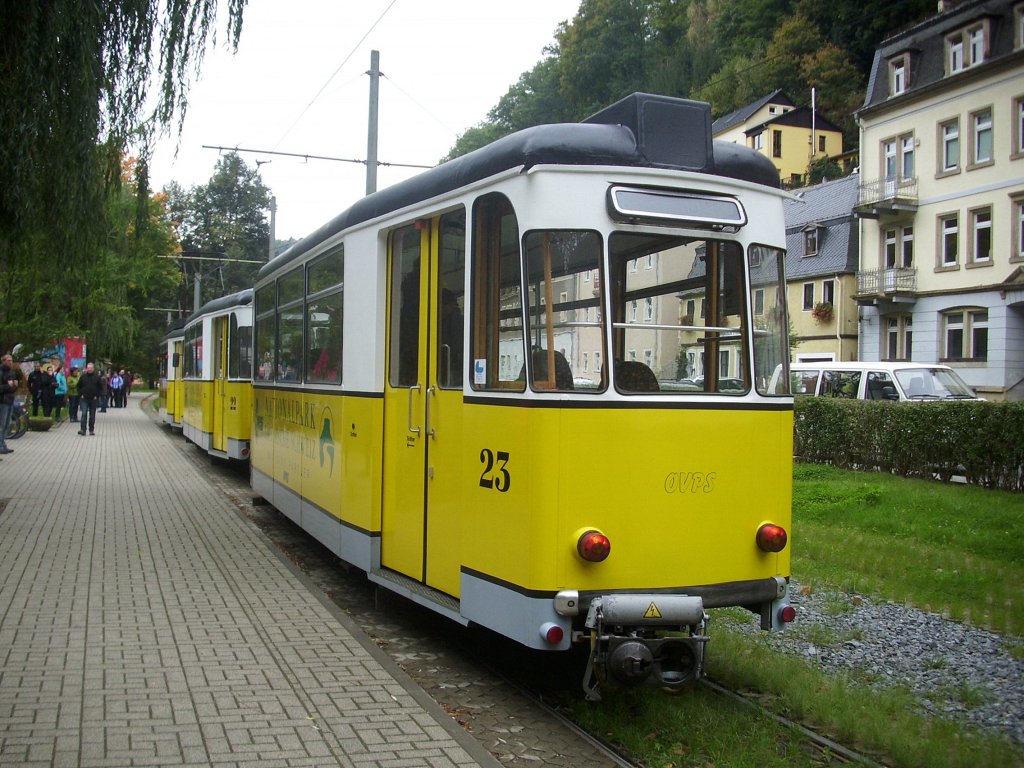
(144,621)
(472,675)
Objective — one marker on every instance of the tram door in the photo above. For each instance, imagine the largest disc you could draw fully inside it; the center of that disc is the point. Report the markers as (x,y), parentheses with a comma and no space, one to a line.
(220,375)
(423,401)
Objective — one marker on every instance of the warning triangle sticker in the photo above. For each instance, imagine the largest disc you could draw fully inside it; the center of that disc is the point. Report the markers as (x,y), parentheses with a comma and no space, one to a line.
(652,612)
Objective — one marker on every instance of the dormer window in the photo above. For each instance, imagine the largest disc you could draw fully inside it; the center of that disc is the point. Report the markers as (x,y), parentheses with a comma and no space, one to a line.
(1018,26)
(955,58)
(899,71)
(967,48)
(810,240)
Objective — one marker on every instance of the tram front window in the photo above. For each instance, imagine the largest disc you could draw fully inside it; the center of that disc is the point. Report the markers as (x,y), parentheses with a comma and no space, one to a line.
(679,320)
(566,332)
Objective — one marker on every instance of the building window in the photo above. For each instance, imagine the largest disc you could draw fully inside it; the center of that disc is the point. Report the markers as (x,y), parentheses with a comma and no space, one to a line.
(1018,27)
(828,291)
(632,311)
(965,334)
(1017,250)
(776,143)
(889,248)
(955,54)
(821,143)
(586,362)
(898,247)
(889,158)
(649,309)
(759,301)
(907,248)
(949,234)
(981,139)
(898,337)
(1018,129)
(649,358)
(907,157)
(976,46)
(811,241)
(757,140)
(898,75)
(981,236)
(949,162)
(808,297)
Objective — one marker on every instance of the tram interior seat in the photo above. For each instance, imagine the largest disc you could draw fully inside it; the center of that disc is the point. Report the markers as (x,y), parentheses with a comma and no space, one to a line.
(634,376)
(916,387)
(541,380)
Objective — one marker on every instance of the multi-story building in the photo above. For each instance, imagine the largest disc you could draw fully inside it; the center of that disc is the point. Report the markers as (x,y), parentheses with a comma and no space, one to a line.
(941,275)
(792,137)
(821,270)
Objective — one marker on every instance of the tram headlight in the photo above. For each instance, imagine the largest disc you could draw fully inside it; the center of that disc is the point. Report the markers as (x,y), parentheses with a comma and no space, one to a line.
(771,538)
(593,546)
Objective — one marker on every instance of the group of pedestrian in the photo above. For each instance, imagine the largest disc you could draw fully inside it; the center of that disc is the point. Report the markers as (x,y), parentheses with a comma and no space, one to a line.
(48,389)
(85,392)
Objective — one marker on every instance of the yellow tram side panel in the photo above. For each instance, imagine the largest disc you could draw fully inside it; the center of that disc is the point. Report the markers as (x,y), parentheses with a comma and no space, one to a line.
(679,492)
(176,401)
(197,410)
(324,447)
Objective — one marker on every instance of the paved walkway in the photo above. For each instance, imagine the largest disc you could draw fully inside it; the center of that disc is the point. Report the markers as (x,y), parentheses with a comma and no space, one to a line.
(144,621)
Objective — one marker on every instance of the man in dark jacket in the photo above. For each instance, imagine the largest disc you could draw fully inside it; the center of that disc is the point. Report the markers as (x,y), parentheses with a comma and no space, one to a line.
(8,386)
(35,387)
(90,387)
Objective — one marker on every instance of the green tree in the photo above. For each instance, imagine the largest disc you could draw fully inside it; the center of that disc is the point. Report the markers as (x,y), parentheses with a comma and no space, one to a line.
(223,229)
(76,81)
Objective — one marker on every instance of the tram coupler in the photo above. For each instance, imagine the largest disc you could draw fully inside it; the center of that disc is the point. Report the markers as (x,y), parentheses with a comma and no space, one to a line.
(629,647)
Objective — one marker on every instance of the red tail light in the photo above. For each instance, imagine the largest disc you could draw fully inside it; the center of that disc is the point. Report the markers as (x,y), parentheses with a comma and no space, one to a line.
(593,546)
(552,633)
(771,538)
(787,614)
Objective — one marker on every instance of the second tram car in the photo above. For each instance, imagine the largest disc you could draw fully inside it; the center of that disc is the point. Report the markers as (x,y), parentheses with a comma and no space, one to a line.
(217,376)
(528,388)
(172,389)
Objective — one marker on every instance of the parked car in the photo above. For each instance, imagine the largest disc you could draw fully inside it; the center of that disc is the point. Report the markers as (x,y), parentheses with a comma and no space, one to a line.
(874,381)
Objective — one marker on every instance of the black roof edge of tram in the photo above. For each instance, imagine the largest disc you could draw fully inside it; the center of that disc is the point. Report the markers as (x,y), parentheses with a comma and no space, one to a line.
(642,130)
(239,299)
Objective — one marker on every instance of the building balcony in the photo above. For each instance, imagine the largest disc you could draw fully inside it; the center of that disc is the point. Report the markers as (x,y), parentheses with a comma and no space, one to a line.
(896,284)
(887,197)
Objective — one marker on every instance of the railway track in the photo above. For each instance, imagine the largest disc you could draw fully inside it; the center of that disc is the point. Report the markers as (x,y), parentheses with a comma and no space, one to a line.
(507,707)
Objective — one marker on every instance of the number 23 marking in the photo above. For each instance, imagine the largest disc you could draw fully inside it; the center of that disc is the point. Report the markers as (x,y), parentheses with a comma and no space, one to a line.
(496,477)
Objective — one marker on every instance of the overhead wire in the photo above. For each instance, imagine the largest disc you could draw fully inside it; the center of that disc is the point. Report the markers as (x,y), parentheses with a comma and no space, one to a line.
(335,73)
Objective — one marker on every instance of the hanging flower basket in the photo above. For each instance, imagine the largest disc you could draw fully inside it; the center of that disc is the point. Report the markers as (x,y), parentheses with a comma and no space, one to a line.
(822,311)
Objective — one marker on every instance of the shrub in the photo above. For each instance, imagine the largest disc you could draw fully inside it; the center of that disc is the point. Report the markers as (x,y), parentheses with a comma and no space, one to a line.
(982,441)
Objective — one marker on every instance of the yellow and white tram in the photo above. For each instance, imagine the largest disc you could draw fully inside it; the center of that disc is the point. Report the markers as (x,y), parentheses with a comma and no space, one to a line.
(217,376)
(172,389)
(529,388)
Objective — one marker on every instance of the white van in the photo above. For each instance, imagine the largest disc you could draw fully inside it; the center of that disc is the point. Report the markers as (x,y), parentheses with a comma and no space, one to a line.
(874,381)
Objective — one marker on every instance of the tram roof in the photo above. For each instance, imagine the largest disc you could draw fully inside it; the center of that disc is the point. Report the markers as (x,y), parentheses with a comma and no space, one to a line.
(642,130)
(239,299)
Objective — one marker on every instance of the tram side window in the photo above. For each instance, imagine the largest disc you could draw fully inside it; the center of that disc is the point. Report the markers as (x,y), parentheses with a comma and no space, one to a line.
(266,331)
(239,350)
(325,303)
(497,341)
(290,346)
(771,323)
(564,310)
(451,301)
(405,307)
(660,342)
(194,351)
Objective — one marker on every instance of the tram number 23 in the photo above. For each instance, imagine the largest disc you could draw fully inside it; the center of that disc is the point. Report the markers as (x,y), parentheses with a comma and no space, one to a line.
(495,475)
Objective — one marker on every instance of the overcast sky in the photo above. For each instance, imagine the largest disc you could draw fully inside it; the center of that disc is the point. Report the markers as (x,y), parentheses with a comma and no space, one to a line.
(445,63)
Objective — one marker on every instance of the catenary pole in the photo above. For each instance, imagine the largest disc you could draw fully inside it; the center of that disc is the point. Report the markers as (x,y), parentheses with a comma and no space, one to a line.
(371,141)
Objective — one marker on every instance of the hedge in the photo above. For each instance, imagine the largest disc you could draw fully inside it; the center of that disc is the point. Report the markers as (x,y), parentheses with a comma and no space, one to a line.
(978,440)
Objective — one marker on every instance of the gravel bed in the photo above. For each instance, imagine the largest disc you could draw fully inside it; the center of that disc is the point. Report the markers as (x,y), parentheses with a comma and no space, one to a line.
(956,671)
